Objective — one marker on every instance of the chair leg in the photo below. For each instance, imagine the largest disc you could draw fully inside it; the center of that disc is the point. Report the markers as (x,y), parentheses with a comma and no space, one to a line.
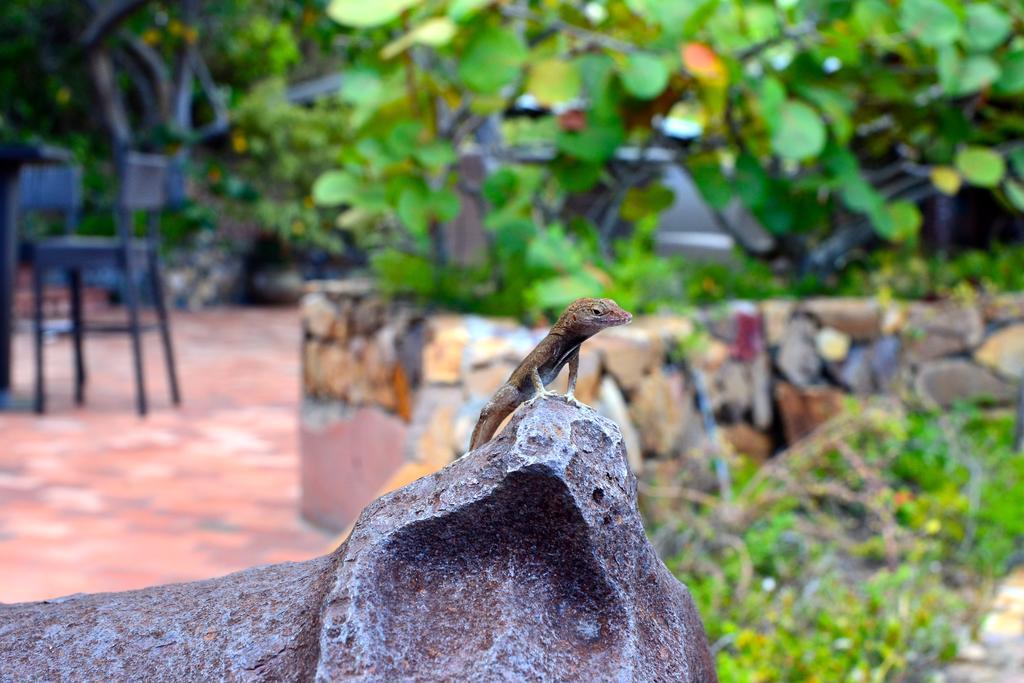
(37,327)
(156,282)
(132,302)
(75,279)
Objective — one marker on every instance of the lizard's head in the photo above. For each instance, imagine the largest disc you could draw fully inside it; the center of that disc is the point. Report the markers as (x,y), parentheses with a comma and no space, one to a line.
(590,316)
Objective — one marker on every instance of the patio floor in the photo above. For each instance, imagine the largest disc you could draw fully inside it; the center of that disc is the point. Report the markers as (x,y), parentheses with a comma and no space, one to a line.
(97,499)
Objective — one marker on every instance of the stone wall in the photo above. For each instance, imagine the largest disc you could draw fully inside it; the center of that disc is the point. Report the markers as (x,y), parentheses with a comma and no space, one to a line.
(383,380)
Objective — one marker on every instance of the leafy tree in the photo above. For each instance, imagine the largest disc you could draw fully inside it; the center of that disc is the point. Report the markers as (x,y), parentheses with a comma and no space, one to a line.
(806,111)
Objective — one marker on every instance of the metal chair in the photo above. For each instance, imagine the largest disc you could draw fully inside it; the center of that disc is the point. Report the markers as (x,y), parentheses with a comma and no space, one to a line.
(143,189)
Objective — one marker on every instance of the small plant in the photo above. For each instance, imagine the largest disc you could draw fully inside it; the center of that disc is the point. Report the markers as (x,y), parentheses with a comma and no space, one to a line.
(861,554)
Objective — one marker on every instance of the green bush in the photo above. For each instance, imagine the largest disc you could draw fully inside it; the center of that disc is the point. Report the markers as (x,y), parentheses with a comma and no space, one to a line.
(803,109)
(859,555)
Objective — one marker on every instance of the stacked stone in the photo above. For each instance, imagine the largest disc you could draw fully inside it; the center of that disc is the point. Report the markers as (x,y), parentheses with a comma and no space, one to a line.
(769,373)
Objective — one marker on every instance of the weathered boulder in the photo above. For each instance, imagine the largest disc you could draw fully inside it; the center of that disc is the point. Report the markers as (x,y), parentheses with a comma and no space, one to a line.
(797,357)
(525,560)
(803,409)
(1003,351)
(944,382)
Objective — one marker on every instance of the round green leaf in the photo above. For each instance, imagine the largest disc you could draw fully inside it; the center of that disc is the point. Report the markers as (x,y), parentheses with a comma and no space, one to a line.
(335,187)
(987,27)
(800,133)
(904,221)
(644,76)
(554,81)
(596,143)
(1015,193)
(1011,82)
(946,180)
(462,10)
(930,22)
(980,166)
(363,14)
(492,60)
(963,77)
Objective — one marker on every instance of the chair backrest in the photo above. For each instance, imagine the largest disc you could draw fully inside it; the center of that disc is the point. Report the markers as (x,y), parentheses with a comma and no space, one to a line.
(143,182)
(52,189)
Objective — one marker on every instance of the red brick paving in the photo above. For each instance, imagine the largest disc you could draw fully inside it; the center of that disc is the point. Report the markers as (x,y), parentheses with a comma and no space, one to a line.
(97,499)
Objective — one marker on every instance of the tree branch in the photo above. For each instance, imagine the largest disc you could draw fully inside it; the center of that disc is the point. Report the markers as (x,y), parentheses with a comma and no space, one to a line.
(107,19)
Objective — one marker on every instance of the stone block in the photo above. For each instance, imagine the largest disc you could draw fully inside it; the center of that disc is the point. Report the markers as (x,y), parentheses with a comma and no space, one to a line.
(803,409)
(730,391)
(744,438)
(775,315)
(944,382)
(447,338)
(943,329)
(860,319)
(832,344)
(1003,351)
(659,412)
(482,382)
(319,315)
(797,356)
(1003,308)
(628,355)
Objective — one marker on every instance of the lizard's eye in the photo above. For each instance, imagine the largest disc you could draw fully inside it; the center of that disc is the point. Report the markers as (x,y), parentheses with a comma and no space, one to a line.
(597,311)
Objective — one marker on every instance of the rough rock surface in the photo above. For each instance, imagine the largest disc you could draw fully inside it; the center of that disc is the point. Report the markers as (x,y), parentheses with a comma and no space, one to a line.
(525,560)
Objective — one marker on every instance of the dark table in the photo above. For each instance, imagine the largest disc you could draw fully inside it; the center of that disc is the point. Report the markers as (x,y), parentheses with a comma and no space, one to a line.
(12,158)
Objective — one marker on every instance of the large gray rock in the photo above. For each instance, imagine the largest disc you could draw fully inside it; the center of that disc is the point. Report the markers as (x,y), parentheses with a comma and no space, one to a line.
(525,560)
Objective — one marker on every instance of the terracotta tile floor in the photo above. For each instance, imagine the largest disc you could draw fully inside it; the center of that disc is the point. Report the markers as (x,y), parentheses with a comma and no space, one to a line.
(96,499)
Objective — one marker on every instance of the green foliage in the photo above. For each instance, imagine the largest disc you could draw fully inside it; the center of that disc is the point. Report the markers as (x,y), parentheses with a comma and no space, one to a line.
(857,555)
(797,103)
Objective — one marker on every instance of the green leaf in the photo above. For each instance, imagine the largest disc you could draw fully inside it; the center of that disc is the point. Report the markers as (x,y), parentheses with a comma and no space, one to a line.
(772,97)
(800,133)
(596,143)
(904,221)
(413,209)
(1011,82)
(558,292)
(641,202)
(752,182)
(499,187)
(930,22)
(575,175)
(554,81)
(987,27)
(435,154)
(964,76)
(492,60)
(980,166)
(644,75)
(335,187)
(444,204)
(462,10)
(361,86)
(552,250)
(1015,193)
(434,32)
(946,180)
(1017,161)
(363,14)
(712,183)
(859,195)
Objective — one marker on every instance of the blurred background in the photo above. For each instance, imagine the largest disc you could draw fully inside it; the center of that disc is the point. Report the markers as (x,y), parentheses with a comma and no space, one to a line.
(328,208)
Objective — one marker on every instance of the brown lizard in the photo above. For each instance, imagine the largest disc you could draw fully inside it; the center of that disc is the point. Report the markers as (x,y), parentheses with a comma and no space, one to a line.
(581,320)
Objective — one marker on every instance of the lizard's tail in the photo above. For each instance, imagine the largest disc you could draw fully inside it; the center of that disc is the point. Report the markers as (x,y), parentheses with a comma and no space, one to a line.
(496,410)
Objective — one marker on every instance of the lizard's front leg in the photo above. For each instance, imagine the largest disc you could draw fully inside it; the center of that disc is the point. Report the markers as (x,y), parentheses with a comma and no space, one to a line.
(574,369)
(538,386)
